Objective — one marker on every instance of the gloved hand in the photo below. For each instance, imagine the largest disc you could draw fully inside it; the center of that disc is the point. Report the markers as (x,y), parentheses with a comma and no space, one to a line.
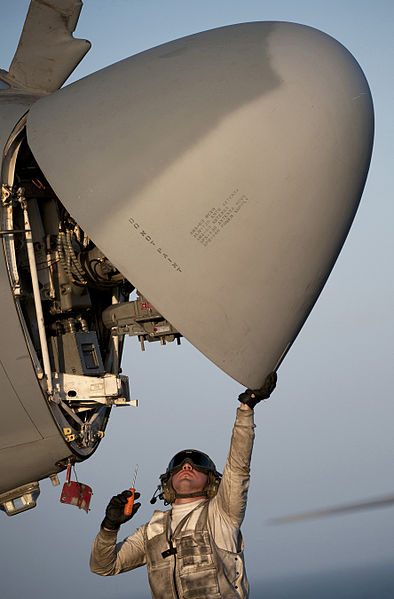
(251,397)
(114,514)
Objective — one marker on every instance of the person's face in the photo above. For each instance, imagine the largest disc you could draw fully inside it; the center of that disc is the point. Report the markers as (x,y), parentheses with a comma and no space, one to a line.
(189,480)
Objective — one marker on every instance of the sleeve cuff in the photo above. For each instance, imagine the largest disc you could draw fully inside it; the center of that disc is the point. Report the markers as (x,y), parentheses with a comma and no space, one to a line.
(108,534)
(245,415)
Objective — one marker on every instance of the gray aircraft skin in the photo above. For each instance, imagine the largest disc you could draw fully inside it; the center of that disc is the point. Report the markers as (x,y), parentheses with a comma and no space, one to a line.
(218,174)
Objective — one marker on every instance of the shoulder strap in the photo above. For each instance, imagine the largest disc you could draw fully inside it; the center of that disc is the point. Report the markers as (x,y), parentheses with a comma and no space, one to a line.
(157,524)
(203,517)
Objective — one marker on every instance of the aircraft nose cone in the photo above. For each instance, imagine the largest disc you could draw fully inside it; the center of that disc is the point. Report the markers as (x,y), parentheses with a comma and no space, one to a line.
(220,173)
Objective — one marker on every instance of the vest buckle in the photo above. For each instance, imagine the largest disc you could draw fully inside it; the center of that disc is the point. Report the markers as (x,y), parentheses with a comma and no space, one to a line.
(170,551)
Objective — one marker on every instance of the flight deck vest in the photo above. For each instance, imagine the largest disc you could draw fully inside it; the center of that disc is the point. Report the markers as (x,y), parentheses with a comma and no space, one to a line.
(188,564)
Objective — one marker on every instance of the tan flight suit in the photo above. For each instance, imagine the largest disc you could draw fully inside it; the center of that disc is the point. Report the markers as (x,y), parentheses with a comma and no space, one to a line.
(203,558)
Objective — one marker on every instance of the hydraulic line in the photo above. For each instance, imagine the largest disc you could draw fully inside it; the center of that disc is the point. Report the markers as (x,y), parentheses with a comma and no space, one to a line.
(79,273)
(36,295)
(61,254)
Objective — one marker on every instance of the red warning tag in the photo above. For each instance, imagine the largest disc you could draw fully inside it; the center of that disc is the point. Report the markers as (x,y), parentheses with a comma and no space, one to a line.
(75,493)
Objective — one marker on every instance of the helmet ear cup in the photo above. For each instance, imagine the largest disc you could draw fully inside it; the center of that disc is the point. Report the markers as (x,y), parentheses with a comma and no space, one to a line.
(168,491)
(212,485)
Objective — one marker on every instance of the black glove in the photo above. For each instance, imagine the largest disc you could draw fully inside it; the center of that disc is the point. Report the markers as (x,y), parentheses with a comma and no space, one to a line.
(114,514)
(259,394)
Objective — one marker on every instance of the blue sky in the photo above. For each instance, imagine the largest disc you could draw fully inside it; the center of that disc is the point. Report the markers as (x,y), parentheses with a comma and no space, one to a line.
(326,436)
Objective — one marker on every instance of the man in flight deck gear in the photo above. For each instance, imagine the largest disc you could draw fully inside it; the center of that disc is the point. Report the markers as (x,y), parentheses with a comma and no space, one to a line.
(194,550)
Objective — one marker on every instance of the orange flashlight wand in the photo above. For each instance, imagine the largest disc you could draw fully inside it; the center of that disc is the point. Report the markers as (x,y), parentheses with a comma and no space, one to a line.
(128,508)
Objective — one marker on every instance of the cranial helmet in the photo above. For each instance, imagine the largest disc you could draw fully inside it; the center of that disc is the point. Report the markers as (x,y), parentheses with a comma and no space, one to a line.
(199,461)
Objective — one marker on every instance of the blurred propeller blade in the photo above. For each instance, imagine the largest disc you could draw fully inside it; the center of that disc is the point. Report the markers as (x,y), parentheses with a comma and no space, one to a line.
(379,502)
(47,52)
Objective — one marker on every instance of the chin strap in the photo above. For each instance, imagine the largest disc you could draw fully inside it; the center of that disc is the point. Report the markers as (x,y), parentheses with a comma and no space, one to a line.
(187,495)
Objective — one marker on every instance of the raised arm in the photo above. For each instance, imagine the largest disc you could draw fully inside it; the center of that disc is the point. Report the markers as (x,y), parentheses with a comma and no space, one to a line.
(233,490)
